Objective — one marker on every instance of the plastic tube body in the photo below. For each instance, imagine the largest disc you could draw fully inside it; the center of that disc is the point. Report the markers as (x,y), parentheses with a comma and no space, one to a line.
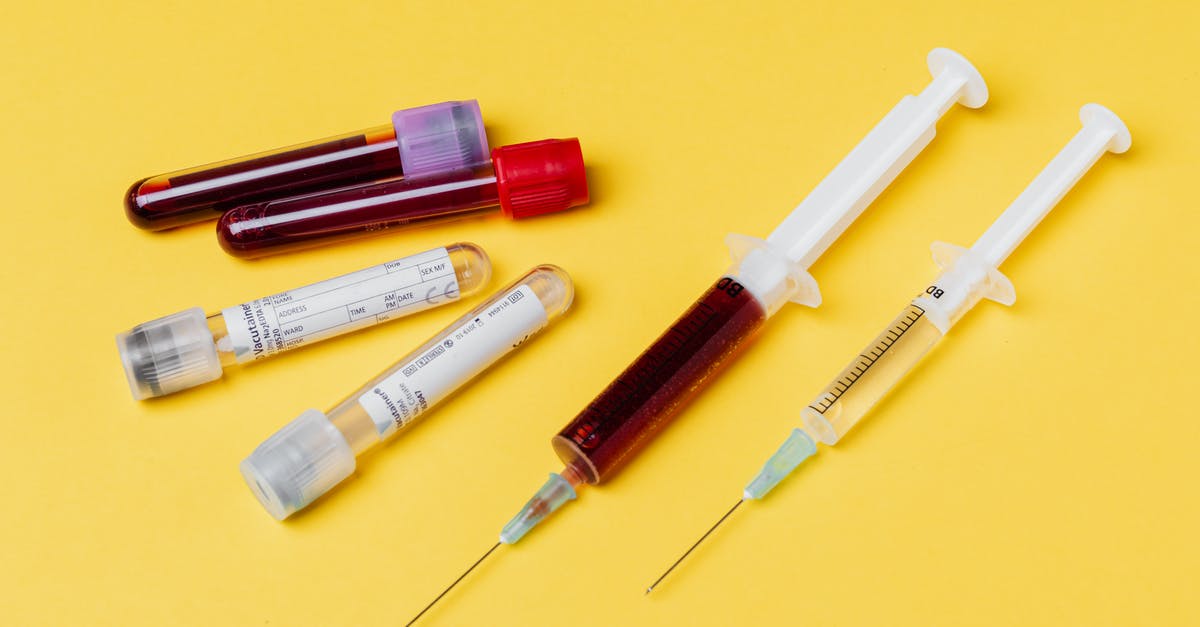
(420,140)
(317,451)
(644,398)
(301,222)
(183,350)
(552,293)
(521,180)
(204,192)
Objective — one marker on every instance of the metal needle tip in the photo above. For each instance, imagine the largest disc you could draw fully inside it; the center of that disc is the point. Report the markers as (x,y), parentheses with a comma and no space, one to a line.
(451,586)
(693,547)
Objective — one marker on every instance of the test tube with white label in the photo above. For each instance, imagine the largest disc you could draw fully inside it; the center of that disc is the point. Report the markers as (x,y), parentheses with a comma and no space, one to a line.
(316,451)
(186,349)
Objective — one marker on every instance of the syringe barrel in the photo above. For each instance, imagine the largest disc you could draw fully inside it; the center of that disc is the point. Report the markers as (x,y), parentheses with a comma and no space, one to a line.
(644,398)
(187,349)
(872,373)
(317,451)
(420,140)
(1102,131)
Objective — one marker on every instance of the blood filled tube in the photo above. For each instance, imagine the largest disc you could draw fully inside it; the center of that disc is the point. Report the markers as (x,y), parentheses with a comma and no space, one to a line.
(316,451)
(421,140)
(186,349)
(522,180)
(764,275)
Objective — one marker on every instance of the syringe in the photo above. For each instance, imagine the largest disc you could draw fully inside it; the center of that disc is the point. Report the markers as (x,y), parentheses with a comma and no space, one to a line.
(764,276)
(968,276)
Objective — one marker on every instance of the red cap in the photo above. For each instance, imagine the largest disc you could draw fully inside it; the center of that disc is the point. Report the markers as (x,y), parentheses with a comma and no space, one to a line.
(540,177)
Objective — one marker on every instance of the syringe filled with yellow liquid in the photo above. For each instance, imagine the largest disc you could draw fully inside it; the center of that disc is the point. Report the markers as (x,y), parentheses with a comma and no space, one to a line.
(968,276)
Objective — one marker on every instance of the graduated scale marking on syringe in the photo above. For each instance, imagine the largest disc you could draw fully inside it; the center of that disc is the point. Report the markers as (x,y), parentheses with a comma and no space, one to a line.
(764,276)
(968,276)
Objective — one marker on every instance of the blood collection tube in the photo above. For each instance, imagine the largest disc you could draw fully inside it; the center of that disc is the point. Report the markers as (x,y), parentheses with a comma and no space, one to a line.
(316,451)
(186,349)
(419,141)
(521,180)
(765,275)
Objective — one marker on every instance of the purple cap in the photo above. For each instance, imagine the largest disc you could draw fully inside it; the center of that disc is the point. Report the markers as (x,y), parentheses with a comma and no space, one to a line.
(440,137)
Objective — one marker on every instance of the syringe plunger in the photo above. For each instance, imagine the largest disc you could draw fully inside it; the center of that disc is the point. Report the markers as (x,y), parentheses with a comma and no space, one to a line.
(969,275)
(1102,132)
(777,269)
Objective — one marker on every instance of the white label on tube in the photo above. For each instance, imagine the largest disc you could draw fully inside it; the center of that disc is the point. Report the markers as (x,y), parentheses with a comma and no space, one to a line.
(266,326)
(461,353)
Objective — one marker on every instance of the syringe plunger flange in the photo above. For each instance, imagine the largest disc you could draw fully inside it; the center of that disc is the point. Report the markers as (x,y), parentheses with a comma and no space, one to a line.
(169,354)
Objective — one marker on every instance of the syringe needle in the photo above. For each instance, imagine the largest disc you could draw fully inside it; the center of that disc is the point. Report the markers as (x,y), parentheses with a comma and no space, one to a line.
(451,586)
(693,547)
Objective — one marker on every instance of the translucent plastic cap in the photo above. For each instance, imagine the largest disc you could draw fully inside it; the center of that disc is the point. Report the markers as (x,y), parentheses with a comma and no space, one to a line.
(169,354)
(298,464)
(440,137)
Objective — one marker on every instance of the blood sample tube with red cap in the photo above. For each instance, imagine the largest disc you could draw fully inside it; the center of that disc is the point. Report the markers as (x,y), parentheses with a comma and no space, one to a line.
(419,141)
(521,181)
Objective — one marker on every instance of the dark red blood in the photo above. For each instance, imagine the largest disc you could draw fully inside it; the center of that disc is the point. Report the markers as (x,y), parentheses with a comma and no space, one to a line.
(337,163)
(302,222)
(645,398)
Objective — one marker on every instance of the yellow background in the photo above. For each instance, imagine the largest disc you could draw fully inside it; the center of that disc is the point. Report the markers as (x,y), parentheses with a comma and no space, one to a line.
(1039,468)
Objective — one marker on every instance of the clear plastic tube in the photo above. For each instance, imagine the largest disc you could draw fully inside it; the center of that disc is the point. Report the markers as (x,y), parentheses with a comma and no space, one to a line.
(522,180)
(419,140)
(187,349)
(317,451)
(302,222)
